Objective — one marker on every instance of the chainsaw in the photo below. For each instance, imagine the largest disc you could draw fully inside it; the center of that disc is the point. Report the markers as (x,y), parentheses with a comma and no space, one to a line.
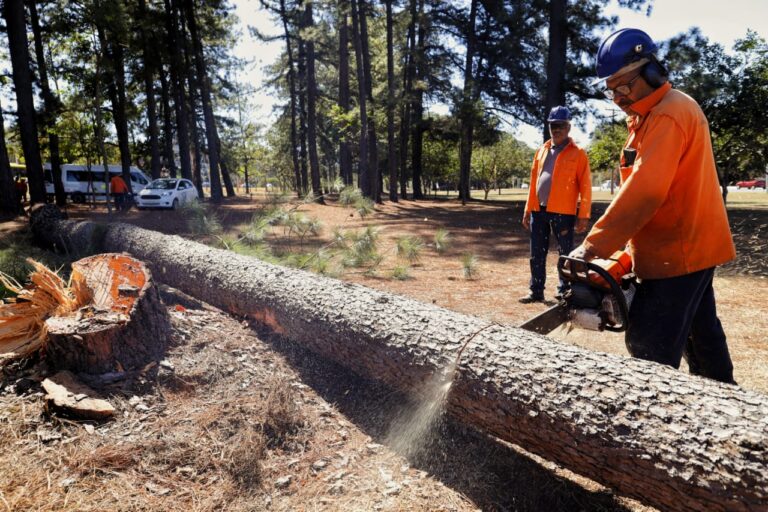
(601,291)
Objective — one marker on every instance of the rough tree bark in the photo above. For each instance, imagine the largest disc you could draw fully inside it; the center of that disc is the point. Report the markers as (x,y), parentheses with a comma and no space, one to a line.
(391,150)
(16,27)
(9,200)
(52,106)
(467,109)
(363,176)
(148,73)
(314,163)
(123,328)
(177,83)
(666,438)
(204,83)
(345,155)
(556,58)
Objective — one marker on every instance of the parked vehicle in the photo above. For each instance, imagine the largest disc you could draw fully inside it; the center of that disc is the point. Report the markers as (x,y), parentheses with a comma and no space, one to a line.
(750,184)
(80,183)
(166,193)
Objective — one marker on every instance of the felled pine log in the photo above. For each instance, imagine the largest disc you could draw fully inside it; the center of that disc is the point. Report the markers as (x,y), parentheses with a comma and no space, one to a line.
(661,436)
(107,318)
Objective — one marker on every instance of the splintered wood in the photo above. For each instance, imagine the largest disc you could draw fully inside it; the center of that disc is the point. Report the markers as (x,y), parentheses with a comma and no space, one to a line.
(22,323)
(108,318)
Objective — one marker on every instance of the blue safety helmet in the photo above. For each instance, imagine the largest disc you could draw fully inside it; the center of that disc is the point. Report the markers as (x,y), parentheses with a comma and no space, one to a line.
(621,48)
(559,113)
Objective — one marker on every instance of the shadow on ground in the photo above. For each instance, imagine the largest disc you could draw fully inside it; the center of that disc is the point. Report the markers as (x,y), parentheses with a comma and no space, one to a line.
(490,473)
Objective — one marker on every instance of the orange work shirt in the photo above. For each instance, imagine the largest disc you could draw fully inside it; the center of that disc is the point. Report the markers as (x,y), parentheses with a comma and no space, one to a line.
(669,207)
(571,180)
(117,185)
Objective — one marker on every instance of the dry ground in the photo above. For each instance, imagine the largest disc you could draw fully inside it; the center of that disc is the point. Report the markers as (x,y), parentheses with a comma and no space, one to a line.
(238,419)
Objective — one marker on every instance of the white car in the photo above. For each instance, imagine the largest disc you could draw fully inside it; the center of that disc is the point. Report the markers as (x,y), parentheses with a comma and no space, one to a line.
(166,193)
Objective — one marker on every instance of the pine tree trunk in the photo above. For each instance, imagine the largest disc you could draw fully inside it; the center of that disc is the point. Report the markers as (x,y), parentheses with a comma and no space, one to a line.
(148,58)
(114,66)
(196,145)
(9,199)
(391,149)
(177,83)
(417,109)
(293,92)
(16,27)
(556,58)
(345,156)
(374,190)
(364,178)
(409,72)
(467,109)
(211,133)
(168,154)
(314,162)
(666,438)
(51,103)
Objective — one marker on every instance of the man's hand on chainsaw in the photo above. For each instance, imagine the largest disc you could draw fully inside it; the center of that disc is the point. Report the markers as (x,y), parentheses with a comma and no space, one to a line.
(582,253)
(582,225)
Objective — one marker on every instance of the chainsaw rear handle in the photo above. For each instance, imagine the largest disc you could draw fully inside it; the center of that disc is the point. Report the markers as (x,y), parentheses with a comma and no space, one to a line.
(578,270)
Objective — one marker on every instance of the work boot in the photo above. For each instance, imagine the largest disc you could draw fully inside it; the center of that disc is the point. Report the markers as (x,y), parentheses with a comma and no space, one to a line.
(532,297)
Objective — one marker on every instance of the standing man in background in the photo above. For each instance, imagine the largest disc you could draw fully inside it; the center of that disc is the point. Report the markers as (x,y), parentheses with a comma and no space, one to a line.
(119,190)
(560,178)
(669,209)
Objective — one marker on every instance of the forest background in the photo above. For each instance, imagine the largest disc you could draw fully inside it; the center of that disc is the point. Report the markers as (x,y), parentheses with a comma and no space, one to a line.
(396,98)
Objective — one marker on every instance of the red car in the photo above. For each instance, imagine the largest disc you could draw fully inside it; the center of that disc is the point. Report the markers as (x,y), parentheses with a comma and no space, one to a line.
(755,183)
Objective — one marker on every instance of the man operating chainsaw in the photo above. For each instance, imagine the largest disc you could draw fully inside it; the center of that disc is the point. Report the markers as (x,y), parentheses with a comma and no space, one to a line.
(559,177)
(669,210)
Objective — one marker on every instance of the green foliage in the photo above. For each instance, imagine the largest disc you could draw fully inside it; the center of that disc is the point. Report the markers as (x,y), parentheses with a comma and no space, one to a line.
(352,197)
(442,240)
(360,248)
(409,248)
(733,91)
(401,272)
(605,149)
(16,248)
(201,221)
(493,166)
(470,265)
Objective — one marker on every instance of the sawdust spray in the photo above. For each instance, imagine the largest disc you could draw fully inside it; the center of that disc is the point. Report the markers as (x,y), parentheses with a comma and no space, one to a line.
(415,428)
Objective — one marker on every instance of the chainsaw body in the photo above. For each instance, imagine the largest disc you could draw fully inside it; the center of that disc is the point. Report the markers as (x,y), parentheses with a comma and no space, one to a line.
(600,294)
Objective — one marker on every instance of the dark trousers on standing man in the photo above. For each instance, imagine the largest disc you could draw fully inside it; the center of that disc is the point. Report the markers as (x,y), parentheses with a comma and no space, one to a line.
(542,224)
(676,317)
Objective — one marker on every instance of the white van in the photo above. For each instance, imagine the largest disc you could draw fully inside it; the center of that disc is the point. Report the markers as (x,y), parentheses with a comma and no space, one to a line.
(79,183)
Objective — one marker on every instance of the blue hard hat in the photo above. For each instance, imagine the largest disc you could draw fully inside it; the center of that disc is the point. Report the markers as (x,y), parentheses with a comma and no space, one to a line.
(621,48)
(559,113)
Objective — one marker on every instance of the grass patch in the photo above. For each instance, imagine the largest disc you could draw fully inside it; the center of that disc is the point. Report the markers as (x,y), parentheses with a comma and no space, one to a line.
(16,248)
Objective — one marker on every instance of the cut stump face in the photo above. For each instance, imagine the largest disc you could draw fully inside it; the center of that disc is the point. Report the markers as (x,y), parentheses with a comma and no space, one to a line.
(123,325)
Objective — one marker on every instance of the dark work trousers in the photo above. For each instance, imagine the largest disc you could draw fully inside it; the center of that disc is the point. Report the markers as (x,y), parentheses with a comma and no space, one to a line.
(542,224)
(676,317)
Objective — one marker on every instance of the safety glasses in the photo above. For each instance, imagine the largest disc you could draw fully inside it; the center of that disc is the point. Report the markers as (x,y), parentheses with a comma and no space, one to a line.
(623,89)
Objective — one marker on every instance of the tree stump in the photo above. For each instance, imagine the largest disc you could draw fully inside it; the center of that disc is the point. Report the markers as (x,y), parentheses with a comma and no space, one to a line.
(122,328)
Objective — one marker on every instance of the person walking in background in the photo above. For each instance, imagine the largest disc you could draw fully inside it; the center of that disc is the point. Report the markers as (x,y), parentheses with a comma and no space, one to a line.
(119,190)
(670,210)
(21,190)
(561,185)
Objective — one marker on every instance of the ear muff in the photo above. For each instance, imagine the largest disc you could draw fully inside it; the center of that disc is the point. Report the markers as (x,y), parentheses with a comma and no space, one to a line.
(654,73)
